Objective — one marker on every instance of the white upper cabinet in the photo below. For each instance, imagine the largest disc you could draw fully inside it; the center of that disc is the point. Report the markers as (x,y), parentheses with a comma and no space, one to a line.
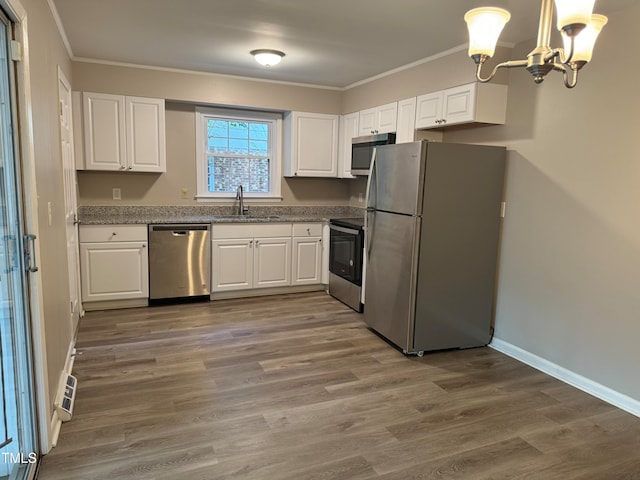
(104,132)
(145,123)
(429,110)
(348,131)
(122,133)
(405,131)
(381,119)
(311,145)
(471,103)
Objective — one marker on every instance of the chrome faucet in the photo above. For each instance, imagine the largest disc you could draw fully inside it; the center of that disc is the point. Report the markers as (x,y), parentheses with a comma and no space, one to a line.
(242,210)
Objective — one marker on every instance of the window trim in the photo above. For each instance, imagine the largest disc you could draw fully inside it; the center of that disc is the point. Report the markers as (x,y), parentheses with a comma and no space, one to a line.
(202,115)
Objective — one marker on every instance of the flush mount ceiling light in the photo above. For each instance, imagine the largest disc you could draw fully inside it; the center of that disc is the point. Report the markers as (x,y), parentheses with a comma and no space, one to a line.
(575,20)
(267,57)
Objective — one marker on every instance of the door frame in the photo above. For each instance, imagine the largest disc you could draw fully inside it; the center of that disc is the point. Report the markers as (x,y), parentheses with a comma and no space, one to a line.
(44,408)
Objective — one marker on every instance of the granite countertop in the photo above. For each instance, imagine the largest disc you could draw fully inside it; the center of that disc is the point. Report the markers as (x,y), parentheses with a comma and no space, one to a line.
(142,215)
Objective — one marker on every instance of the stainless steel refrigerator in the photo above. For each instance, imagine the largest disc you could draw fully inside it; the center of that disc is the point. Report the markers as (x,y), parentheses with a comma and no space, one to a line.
(431,242)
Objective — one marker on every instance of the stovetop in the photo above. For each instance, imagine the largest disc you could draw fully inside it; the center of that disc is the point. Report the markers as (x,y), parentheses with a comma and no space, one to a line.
(354,222)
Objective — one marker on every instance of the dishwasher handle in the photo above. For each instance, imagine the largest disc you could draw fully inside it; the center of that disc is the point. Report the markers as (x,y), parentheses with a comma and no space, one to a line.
(178,230)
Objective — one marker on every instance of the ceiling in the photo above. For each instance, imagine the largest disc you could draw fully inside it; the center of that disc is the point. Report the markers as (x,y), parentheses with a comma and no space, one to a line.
(331,43)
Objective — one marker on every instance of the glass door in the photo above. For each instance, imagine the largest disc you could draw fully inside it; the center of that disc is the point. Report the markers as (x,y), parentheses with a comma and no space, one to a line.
(19,452)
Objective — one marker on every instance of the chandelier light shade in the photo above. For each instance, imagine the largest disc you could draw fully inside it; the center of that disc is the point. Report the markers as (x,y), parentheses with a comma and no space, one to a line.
(266,57)
(485,25)
(575,20)
(573,12)
(584,43)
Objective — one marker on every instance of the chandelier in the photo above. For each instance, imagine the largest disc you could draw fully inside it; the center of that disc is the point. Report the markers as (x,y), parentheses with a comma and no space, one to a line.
(575,20)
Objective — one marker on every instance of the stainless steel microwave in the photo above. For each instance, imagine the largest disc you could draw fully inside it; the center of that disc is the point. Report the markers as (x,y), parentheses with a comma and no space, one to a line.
(362,150)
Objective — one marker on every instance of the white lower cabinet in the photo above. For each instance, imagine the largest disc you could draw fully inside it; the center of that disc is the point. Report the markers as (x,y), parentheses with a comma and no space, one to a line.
(254,256)
(250,256)
(114,262)
(307,254)
(271,262)
(232,264)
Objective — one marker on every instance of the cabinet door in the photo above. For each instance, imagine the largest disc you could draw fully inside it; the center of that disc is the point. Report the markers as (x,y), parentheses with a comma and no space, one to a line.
(459,104)
(429,109)
(146,146)
(348,131)
(406,120)
(232,264)
(367,122)
(272,262)
(386,118)
(307,261)
(114,271)
(314,148)
(104,131)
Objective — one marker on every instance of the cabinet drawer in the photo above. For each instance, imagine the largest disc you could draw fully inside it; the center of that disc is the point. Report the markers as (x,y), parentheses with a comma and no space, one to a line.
(250,230)
(113,233)
(307,229)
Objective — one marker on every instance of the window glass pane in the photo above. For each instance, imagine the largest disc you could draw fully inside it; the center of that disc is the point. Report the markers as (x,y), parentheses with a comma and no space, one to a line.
(218,145)
(225,174)
(259,131)
(238,130)
(238,147)
(258,147)
(218,128)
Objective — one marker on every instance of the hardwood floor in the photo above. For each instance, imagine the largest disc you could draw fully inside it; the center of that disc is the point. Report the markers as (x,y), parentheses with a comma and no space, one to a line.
(296,387)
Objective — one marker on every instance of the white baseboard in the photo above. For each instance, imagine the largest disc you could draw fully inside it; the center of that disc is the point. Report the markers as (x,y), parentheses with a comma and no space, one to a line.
(596,389)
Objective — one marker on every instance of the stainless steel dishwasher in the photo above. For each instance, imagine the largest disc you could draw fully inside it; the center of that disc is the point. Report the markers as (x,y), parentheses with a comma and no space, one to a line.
(179,261)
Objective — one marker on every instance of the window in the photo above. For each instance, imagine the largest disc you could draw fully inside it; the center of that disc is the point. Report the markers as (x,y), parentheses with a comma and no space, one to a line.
(236,147)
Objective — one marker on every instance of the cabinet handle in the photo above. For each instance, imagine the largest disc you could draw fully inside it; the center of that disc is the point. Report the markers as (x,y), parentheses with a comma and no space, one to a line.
(308,231)
(256,243)
(121,167)
(144,246)
(250,243)
(130,167)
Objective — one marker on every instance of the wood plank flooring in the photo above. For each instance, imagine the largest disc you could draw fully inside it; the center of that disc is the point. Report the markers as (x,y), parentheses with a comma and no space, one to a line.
(295,387)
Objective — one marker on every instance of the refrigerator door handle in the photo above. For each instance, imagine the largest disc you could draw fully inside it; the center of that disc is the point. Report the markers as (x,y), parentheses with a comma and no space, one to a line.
(372,173)
(368,233)
(370,209)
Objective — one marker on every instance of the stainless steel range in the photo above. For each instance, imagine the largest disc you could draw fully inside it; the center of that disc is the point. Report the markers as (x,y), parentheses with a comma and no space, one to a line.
(345,260)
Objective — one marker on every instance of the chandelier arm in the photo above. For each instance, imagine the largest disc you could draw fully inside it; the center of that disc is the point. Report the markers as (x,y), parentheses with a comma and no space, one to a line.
(509,64)
(559,54)
(569,74)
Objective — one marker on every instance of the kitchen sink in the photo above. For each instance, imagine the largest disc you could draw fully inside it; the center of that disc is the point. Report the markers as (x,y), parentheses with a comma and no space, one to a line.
(250,218)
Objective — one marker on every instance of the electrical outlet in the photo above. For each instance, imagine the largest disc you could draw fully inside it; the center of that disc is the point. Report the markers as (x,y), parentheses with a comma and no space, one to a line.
(184,194)
(117,193)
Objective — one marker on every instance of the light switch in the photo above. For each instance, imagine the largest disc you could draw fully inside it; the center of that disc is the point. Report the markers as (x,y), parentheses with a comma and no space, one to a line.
(184,193)
(117,194)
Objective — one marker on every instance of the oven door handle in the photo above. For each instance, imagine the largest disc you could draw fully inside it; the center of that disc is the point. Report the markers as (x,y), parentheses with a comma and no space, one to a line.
(344,229)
